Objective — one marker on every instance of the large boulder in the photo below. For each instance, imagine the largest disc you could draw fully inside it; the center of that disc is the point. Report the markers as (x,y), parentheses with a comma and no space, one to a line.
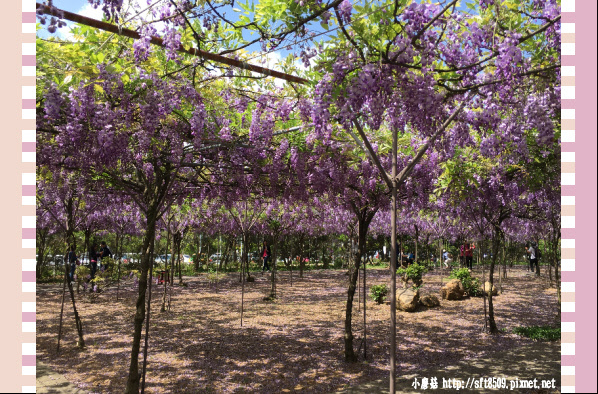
(453,290)
(487,289)
(407,299)
(429,300)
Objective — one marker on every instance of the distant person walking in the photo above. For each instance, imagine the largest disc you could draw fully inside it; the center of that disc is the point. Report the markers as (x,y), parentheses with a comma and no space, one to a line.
(266,255)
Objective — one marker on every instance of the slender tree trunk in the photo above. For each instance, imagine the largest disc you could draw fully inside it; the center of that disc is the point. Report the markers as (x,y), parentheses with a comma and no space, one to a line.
(66,275)
(550,264)
(147,251)
(358,291)
(119,253)
(78,324)
(365,343)
(484,294)
(243,274)
(178,240)
(42,243)
(147,325)
(537,260)
(273,275)
(495,249)
(70,234)
(198,255)
(393,267)
(163,307)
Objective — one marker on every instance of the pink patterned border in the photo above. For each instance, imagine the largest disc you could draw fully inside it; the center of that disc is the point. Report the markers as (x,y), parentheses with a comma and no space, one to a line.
(28,347)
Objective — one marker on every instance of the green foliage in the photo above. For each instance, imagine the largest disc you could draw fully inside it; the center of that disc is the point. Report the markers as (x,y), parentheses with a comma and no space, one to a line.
(472,285)
(413,272)
(379,293)
(82,271)
(539,333)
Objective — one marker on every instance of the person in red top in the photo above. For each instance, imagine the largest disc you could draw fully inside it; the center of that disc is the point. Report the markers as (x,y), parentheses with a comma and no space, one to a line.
(462,255)
(266,255)
(469,255)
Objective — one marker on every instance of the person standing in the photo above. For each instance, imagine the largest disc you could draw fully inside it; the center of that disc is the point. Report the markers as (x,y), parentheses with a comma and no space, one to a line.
(462,255)
(533,260)
(104,254)
(266,255)
(71,258)
(469,256)
(93,260)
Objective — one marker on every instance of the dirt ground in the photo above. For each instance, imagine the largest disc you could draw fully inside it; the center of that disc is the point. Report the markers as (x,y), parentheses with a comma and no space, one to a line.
(292,344)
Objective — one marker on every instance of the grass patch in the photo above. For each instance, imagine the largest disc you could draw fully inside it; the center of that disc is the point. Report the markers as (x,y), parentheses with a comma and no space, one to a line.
(539,333)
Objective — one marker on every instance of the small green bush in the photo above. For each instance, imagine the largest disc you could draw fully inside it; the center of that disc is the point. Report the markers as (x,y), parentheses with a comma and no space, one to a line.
(414,273)
(379,293)
(539,333)
(472,285)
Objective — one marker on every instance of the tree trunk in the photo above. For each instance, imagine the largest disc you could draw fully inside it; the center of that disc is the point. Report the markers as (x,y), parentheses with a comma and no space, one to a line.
(243,274)
(71,240)
(42,242)
(146,254)
(273,275)
(66,276)
(365,349)
(147,325)
(416,242)
(484,293)
(198,255)
(495,249)
(364,219)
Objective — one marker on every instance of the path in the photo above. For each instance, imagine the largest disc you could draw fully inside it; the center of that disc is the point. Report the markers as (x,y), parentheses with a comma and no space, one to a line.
(540,360)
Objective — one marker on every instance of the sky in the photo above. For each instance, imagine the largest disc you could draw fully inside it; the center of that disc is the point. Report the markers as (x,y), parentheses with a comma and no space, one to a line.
(82,7)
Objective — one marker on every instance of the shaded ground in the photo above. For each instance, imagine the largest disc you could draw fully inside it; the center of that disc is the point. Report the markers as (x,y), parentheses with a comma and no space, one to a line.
(514,368)
(293,344)
(49,382)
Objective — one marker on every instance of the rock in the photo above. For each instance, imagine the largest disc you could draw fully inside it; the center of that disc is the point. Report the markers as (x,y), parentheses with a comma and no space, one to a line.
(487,289)
(429,301)
(407,300)
(250,279)
(453,290)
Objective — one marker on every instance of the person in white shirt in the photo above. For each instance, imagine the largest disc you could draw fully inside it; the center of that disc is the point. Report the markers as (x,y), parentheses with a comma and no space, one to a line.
(533,259)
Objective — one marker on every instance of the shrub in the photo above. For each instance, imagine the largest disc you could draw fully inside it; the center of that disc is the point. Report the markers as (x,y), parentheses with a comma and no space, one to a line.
(379,293)
(539,333)
(472,285)
(414,273)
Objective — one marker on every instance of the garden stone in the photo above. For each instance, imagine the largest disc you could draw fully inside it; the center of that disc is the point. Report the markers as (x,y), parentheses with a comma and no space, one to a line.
(407,300)
(453,290)
(429,300)
(487,289)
